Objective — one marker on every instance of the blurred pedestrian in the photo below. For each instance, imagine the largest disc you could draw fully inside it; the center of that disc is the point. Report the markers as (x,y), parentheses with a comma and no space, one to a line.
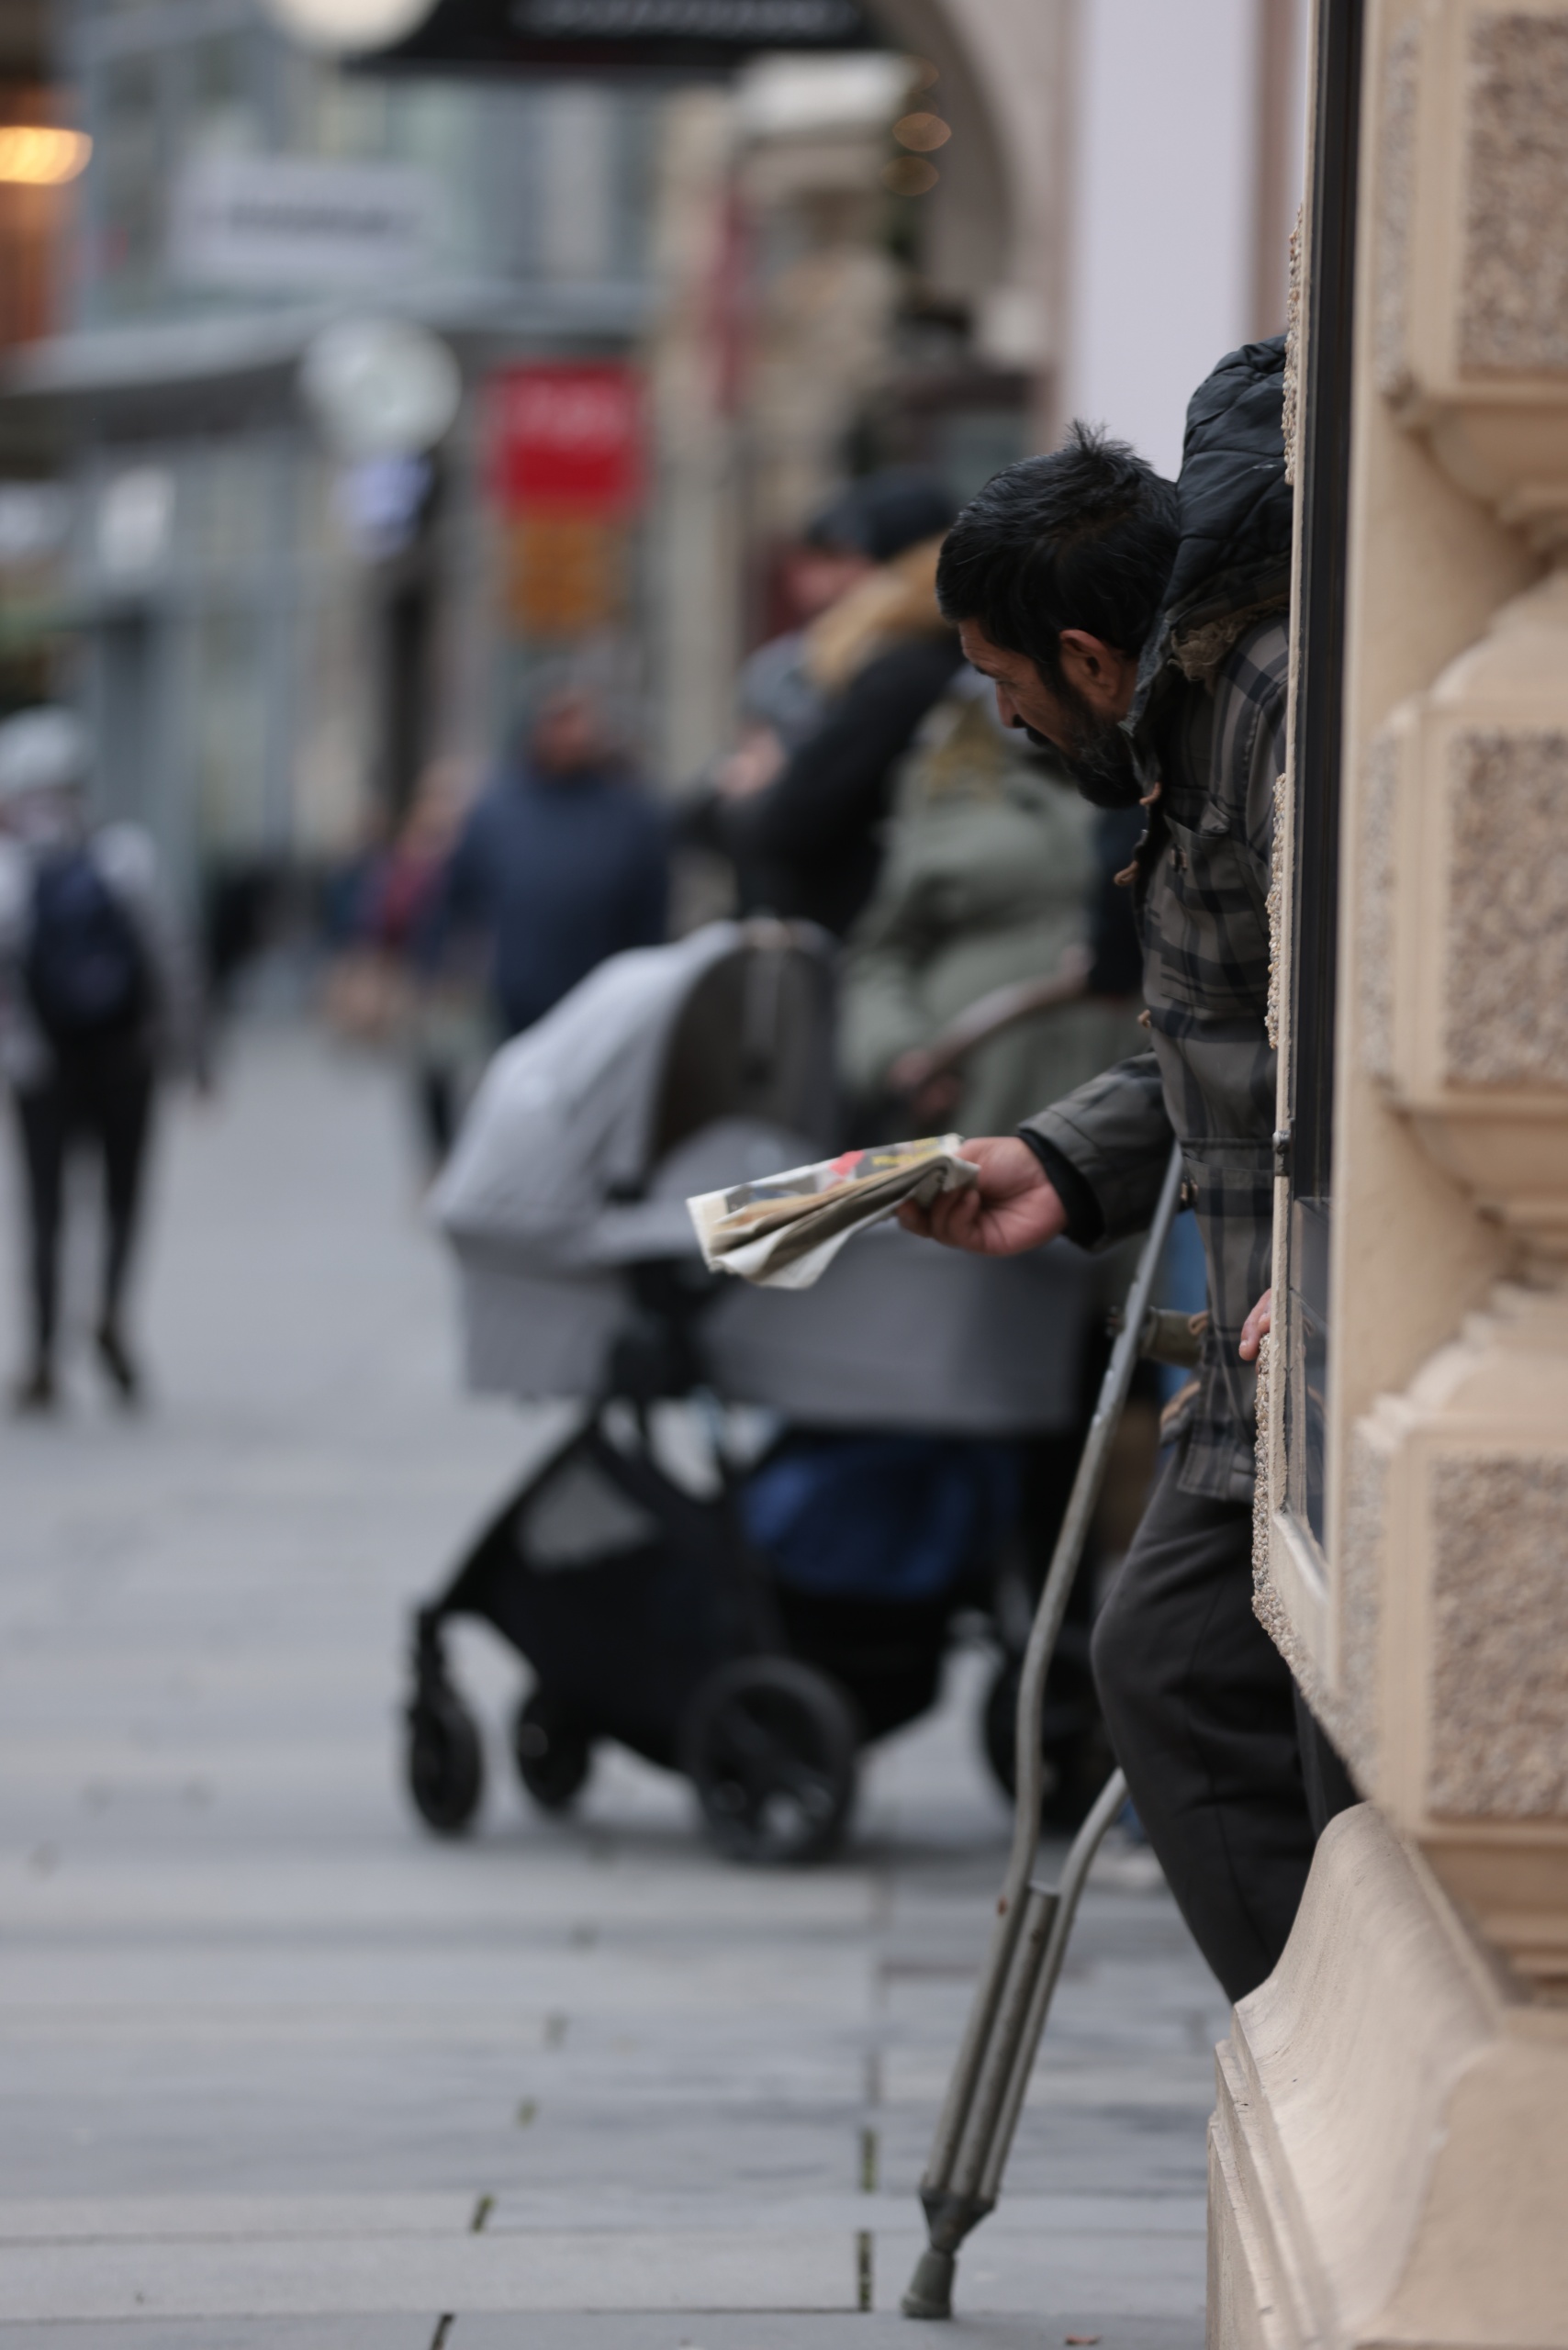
(806,839)
(97,993)
(994,881)
(989,882)
(439,1022)
(780,702)
(365,992)
(564,861)
(779,706)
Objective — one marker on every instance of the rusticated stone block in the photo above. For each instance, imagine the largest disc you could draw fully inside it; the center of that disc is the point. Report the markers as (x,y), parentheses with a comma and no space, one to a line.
(1360,1564)
(1374,937)
(1513,289)
(1500,1636)
(1395,208)
(1507,959)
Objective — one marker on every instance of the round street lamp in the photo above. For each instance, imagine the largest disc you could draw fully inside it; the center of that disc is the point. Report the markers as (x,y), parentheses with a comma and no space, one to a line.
(380,388)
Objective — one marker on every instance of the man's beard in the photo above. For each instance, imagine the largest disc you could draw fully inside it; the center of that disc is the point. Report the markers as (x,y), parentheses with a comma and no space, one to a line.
(1099,758)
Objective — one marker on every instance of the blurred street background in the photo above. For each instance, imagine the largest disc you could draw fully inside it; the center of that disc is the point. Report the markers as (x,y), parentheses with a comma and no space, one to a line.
(271,2054)
(469,508)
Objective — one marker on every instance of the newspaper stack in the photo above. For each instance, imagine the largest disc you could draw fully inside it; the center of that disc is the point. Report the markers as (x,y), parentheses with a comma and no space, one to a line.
(785,1231)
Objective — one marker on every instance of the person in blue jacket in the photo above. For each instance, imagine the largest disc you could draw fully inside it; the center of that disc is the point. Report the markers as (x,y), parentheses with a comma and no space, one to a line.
(561,862)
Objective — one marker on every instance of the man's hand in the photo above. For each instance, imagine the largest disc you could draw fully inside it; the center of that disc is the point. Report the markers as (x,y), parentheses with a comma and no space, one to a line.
(1257,1327)
(1013,1207)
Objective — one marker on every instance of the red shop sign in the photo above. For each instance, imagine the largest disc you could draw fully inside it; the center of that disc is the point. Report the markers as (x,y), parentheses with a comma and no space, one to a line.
(566,436)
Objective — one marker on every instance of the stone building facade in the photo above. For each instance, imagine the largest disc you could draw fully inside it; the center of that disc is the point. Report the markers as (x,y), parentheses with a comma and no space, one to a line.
(1390,2150)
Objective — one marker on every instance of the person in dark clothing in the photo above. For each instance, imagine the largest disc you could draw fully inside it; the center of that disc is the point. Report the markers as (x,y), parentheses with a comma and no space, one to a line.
(1141,629)
(809,838)
(563,862)
(98,994)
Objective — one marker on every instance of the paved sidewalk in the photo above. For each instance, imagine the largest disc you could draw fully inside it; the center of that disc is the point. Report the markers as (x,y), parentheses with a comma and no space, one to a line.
(278,2068)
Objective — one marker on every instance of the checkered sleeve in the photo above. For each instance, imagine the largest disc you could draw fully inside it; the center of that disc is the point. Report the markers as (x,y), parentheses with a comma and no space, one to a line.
(1115,1135)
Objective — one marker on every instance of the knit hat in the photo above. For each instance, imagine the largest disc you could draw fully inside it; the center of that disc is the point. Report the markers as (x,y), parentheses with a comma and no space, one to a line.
(885,514)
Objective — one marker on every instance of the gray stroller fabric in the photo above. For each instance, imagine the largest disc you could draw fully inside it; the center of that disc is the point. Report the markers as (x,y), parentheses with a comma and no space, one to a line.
(562,1119)
(897,1333)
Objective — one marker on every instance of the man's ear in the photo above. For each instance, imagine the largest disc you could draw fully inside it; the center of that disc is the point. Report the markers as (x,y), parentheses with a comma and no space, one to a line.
(1102,674)
(1091,656)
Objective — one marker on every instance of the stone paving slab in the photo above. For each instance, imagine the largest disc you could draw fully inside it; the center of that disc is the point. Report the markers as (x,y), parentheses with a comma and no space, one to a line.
(238,2265)
(693,2269)
(268,2050)
(560,2331)
(403,2331)
(211,2218)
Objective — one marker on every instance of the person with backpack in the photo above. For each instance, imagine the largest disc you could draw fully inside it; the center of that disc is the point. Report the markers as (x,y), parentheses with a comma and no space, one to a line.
(96,994)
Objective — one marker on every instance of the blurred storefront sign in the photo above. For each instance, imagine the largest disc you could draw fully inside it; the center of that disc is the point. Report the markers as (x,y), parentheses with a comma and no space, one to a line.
(567,436)
(566,573)
(289,223)
(671,36)
(566,473)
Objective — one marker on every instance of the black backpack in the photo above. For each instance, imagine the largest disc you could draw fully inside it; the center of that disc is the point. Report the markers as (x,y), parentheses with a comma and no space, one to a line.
(86,971)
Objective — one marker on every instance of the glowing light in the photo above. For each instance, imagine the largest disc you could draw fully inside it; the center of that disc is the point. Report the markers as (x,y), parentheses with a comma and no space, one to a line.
(907,176)
(35,154)
(924,132)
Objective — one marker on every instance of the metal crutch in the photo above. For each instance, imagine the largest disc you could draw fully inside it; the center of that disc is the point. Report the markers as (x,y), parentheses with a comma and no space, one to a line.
(963,2176)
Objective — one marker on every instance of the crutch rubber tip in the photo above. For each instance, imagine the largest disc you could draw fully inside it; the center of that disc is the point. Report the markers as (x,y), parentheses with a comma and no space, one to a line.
(930,2291)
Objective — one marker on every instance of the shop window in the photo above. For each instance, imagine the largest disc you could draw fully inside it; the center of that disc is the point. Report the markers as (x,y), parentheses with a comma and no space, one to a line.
(231,731)
(222,114)
(125,258)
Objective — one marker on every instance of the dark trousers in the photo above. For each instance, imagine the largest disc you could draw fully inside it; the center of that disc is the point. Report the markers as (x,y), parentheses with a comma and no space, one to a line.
(1232,1778)
(100,1094)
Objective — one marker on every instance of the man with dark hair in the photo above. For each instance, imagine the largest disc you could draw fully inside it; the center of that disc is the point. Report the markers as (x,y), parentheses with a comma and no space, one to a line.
(1141,629)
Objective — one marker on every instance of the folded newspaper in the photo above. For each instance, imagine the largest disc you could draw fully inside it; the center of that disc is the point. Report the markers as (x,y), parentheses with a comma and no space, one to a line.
(785,1230)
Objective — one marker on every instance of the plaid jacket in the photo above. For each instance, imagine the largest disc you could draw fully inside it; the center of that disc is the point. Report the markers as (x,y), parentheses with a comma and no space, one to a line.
(1214,745)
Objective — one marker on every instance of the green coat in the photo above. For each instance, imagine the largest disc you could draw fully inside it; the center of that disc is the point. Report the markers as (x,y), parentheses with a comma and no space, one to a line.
(989,876)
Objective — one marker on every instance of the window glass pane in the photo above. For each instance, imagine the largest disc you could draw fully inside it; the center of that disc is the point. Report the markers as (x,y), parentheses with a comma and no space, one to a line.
(124,265)
(223,113)
(230,731)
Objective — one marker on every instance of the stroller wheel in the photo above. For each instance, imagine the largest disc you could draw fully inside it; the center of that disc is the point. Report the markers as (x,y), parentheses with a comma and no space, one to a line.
(769,1746)
(1074,1747)
(553,1755)
(446,1766)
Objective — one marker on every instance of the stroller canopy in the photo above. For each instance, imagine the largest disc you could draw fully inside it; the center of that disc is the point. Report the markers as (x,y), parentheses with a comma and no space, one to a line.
(673,1069)
(553,1162)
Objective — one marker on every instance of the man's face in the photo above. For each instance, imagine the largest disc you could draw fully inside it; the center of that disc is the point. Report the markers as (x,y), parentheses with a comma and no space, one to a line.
(1079,717)
(567,737)
(815,578)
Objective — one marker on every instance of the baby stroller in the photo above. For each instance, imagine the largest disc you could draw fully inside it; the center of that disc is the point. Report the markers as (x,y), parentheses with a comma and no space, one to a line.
(628,1568)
